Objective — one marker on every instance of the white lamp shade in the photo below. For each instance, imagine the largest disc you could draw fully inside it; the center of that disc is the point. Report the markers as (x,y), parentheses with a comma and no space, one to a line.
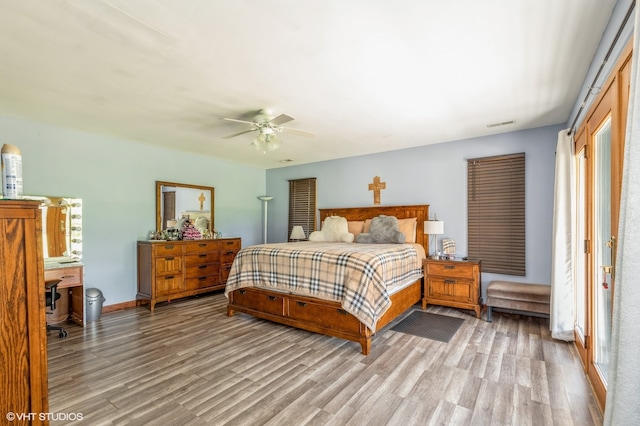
(297,233)
(434,227)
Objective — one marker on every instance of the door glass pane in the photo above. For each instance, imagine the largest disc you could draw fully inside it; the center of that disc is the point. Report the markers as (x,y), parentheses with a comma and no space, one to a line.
(602,254)
(580,256)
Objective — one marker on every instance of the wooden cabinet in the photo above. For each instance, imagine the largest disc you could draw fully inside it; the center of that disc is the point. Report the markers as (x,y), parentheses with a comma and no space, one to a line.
(23,340)
(454,283)
(173,269)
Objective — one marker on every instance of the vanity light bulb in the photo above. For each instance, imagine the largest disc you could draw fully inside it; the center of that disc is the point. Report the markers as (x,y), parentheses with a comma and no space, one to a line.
(78,252)
(76,216)
(76,240)
(76,228)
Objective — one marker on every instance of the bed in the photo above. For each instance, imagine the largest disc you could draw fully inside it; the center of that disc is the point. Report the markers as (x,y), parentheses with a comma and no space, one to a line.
(268,280)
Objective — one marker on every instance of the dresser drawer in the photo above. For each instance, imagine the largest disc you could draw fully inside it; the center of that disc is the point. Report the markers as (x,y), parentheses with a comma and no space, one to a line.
(229,245)
(305,310)
(171,284)
(195,283)
(461,290)
(168,249)
(71,276)
(202,258)
(202,270)
(168,265)
(201,246)
(255,299)
(452,269)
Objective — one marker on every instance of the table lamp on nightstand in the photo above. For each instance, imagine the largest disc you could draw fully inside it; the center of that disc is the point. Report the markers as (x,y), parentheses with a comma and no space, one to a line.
(433,228)
(297,233)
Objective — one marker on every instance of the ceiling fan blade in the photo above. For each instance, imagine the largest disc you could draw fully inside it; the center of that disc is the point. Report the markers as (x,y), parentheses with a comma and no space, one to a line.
(281,119)
(297,132)
(238,134)
(239,121)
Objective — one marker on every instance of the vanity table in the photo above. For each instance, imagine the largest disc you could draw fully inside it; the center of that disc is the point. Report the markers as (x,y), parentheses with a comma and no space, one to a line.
(71,288)
(61,225)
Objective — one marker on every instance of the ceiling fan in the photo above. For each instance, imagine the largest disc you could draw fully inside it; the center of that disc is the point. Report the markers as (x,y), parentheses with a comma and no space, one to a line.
(267,126)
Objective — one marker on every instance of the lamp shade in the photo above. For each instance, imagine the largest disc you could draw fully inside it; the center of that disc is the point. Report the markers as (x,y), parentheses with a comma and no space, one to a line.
(433,227)
(297,233)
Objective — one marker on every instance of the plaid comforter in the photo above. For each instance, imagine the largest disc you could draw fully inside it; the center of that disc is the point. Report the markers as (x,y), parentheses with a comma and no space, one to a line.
(356,275)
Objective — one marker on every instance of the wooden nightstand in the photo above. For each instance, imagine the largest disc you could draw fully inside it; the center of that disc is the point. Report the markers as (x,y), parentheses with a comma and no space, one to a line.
(454,283)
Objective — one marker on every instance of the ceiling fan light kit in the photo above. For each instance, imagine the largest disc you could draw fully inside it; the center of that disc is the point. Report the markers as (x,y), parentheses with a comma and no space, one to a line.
(266,125)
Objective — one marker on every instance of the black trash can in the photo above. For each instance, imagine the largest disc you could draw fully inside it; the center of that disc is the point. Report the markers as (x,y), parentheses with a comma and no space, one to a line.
(94,299)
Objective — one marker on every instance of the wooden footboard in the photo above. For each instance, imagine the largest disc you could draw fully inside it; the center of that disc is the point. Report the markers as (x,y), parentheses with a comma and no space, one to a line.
(316,315)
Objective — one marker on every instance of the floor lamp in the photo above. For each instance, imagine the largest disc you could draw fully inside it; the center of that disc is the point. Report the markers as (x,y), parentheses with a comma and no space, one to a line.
(265,199)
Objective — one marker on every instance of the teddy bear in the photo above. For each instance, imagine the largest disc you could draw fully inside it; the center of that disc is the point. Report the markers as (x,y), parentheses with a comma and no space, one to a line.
(383,229)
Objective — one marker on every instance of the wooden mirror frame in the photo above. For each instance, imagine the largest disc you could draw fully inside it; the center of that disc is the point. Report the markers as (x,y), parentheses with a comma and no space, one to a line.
(160,184)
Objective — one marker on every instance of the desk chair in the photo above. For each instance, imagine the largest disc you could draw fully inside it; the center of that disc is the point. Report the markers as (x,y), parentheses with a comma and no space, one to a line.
(51,296)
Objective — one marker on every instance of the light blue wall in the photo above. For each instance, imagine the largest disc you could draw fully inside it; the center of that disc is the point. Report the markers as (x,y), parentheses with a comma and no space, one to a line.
(116,180)
(434,175)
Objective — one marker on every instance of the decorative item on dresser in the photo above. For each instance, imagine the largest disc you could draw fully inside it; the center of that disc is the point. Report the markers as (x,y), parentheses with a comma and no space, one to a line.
(170,270)
(454,283)
(23,340)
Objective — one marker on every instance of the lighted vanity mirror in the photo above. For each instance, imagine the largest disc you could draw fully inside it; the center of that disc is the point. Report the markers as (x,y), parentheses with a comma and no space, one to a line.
(175,201)
(61,228)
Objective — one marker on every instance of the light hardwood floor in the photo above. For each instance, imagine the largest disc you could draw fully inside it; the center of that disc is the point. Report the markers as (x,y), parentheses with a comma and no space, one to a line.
(187,363)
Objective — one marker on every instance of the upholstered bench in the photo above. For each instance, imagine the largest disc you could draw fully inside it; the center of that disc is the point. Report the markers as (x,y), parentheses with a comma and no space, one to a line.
(519,298)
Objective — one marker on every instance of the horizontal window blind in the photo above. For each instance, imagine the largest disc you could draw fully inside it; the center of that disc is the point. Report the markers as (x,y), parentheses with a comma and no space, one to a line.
(302,205)
(496,213)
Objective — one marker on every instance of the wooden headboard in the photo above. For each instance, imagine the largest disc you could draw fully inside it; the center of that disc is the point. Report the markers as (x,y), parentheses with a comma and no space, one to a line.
(421,212)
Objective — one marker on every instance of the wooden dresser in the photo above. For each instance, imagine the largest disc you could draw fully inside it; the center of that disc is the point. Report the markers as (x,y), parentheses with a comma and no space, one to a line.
(454,283)
(170,270)
(23,340)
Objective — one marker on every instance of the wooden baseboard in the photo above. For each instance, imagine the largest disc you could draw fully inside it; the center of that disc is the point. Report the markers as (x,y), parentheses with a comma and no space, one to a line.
(119,306)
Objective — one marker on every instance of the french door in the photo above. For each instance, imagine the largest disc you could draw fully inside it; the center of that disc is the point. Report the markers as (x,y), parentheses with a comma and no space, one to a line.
(598,161)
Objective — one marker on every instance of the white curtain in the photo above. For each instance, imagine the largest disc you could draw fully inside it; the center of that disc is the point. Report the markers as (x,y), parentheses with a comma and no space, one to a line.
(562,301)
(623,389)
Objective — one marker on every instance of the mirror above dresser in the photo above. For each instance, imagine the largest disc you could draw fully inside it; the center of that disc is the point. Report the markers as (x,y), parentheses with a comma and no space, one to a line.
(175,201)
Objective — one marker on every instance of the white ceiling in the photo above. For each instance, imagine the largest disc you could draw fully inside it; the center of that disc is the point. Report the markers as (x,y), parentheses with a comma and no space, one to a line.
(366,76)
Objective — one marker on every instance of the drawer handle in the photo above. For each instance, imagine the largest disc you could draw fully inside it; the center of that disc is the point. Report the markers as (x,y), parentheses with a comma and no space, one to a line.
(64,277)
(229,243)
(230,252)
(202,244)
(169,247)
(342,312)
(203,266)
(202,255)
(450,281)
(202,278)
(301,304)
(449,267)
(169,259)
(169,277)
(272,298)
(242,291)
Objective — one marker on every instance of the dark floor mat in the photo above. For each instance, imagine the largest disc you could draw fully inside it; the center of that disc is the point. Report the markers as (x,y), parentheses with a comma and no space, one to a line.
(431,326)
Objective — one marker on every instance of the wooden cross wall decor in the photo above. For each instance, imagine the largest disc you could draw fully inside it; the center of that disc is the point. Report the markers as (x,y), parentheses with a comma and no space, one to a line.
(376,186)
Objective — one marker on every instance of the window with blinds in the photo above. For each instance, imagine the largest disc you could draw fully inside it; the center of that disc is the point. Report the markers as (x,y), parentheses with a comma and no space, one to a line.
(302,205)
(496,213)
